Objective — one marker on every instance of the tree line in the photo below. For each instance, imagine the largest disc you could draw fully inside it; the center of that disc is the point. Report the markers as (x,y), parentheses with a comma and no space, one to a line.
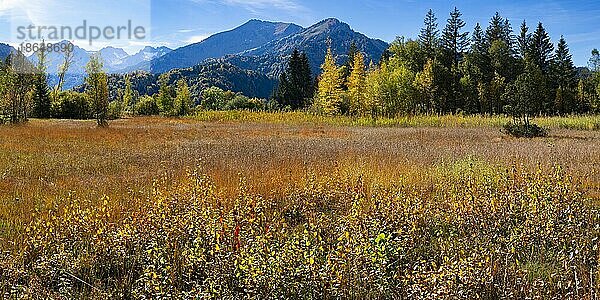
(25,93)
(491,71)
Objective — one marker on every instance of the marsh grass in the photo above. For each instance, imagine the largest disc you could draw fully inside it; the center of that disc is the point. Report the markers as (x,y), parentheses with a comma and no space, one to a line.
(170,208)
(582,122)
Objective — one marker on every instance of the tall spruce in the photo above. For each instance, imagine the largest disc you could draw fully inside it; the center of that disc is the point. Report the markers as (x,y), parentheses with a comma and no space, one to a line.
(540,50)
(41,91)
(564,78)
(349,64)
(454,40)
(499,29)
(296,87)
(523,40)
(429,37)
(455,43)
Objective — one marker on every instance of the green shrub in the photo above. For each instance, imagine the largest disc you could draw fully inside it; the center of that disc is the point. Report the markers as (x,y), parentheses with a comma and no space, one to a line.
(115,110)
(524,130)
(240,102)
(147,106)
(72,105)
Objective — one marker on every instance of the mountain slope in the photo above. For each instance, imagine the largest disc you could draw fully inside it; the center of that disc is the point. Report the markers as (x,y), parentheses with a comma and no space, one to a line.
(250,35)
(270,58)
(145,55)
(5,50)
(225,76)
(112,56)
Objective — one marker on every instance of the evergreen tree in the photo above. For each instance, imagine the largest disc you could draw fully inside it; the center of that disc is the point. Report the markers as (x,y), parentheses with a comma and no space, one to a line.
(97,89)
(454,43)
(594,62)
(348,65)
(523,40)
(540,49)
(356,85)
(295,87)
(478,41)
(429,37)
(564,71)
(330,87)
(306,81)
(41,91)
(499,29)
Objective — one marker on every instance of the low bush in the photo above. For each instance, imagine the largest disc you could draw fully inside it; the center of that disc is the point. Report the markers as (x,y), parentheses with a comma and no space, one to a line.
(524,130)
(147,106)
(72,105)
(477,232)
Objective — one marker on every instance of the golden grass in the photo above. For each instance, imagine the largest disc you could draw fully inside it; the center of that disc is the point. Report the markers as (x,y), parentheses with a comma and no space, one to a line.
(46,165)
(582,122)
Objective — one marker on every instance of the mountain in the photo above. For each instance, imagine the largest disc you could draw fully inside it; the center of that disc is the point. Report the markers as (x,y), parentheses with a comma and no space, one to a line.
(271,58)
(5,50)
(112,56)
(145,55)
(248,36)
(114,59)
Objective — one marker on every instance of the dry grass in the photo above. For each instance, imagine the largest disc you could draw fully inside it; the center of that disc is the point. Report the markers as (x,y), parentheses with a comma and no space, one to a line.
(43,163)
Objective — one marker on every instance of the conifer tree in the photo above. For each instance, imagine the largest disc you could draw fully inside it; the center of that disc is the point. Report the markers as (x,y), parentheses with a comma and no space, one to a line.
(499,29)
(295,87)
(453,40)
(348,65)
(454,43)
(429,37)
(564,71)
(41,91)
(523,40)
(540,49)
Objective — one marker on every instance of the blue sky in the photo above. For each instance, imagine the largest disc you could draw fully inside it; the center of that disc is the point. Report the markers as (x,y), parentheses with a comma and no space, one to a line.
(176,23)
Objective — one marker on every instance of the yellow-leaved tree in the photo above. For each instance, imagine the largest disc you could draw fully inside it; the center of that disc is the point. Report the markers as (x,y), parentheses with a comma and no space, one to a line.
(330,93)
(357,86)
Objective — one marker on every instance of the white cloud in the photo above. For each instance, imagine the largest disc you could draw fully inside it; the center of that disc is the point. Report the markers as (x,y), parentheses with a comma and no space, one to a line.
(197,38)
(257,6)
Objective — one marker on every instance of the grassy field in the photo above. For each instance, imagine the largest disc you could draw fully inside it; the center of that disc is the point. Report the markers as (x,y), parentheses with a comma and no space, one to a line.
(292,205)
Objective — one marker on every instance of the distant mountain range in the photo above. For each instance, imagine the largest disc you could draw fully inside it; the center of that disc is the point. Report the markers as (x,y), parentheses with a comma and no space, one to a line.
(265,47)
(249,57)
(250,35)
